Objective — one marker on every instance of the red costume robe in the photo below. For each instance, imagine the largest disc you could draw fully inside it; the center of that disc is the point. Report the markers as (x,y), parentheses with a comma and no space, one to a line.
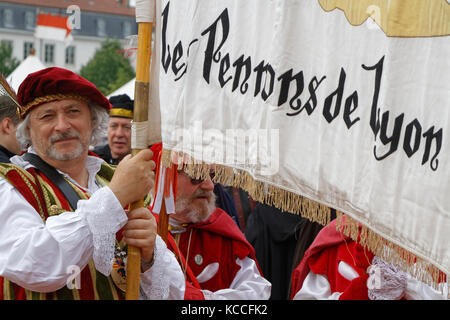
(323,257)
(94,285)
(216,240)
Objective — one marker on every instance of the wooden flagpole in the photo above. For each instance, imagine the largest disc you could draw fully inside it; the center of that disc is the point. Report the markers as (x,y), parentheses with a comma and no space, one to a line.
(140,112)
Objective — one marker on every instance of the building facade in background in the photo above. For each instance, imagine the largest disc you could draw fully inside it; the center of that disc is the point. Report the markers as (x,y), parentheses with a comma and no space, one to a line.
(92,21)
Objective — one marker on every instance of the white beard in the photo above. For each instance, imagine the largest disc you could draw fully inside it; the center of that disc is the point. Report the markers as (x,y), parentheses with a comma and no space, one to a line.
(195,215)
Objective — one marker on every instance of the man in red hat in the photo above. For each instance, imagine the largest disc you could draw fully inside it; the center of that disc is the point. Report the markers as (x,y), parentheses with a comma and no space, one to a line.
(63,227)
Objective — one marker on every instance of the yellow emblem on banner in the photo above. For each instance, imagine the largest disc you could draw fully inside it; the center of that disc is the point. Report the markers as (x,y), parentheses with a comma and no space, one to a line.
(397,18)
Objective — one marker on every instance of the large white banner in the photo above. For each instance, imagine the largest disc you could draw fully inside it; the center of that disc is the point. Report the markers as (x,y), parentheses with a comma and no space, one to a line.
(319,102)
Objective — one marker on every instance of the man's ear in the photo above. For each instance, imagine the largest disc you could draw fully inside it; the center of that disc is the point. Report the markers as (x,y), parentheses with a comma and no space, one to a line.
(4,125)
(7,126)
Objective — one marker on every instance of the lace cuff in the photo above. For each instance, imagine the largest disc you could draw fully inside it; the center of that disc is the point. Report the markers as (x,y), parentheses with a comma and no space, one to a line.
(386,282)
(105,216)
(156,281)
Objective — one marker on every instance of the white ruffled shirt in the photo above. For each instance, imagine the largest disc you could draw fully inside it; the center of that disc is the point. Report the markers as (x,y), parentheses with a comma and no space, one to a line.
(40,256)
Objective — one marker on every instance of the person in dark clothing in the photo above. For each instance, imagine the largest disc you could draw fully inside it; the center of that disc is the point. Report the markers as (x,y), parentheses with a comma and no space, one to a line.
(273,234)
(244,204)
(225,202)
(9,120)
(5,154)
(119,130)
(280,240)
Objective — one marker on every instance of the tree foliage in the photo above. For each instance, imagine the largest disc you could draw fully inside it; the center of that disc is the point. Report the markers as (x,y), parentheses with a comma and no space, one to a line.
(108,69)
(7,62)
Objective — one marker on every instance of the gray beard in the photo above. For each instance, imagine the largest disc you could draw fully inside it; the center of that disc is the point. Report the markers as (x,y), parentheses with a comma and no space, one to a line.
(196,215)
(52,153)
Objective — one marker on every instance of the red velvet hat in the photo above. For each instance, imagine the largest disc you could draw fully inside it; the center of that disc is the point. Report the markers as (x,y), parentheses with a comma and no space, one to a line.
(53,84)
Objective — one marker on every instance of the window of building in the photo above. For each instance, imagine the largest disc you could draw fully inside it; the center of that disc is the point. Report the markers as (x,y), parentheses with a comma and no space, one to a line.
(8,18)
(70,55)
(49,53)
(27,47)
(101,28)
(126,29)
(29,20)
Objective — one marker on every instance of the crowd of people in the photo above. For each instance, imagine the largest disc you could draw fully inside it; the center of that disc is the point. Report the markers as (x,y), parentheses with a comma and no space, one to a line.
(66,207)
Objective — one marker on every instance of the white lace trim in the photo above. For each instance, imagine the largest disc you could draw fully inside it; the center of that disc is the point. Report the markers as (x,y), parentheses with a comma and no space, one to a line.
(155,284)
(105,217)
(387,281)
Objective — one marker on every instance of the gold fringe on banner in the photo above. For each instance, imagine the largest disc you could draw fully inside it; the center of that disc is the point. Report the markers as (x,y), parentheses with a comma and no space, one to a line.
(259,191)
(312,210)
(392,253)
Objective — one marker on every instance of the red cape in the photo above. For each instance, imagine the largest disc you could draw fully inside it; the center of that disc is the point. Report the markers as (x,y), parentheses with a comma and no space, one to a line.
(326,238)
(219,223)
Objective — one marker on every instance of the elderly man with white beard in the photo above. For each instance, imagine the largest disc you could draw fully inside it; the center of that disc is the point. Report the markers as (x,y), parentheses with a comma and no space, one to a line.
(217,261)
(63,227)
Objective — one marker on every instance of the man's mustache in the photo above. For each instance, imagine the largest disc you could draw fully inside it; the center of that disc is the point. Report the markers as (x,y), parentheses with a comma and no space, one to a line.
(211,197)
(65,135)
(203,193)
